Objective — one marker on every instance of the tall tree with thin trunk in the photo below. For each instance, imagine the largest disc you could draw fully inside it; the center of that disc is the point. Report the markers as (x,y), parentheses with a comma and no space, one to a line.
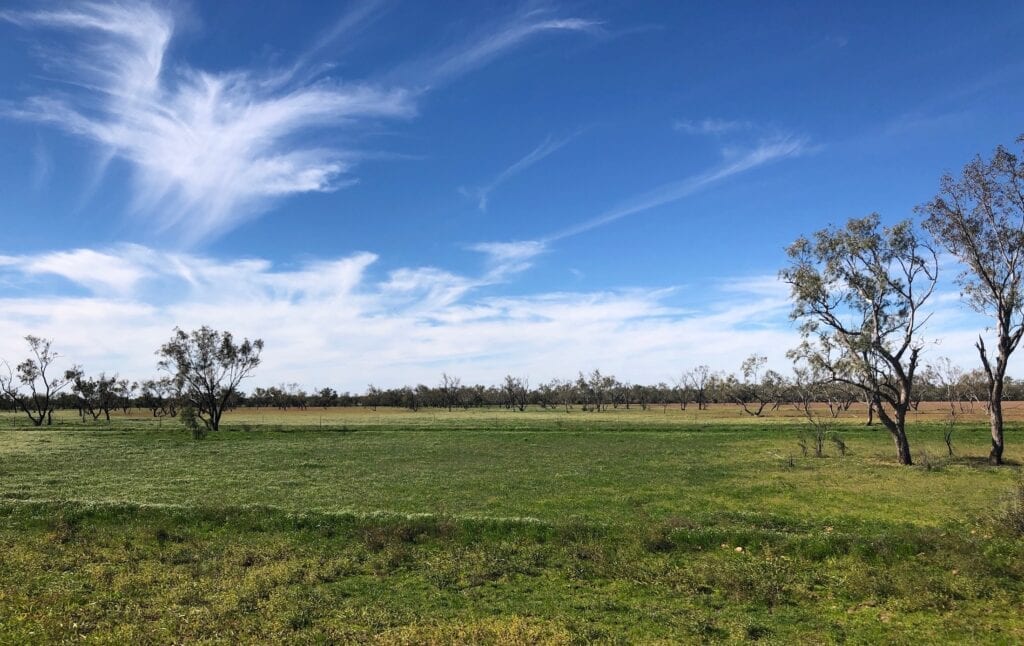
(859,291)
(979,218)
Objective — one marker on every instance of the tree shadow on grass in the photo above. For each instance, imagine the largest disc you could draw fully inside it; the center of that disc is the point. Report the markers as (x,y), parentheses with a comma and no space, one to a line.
(976,462)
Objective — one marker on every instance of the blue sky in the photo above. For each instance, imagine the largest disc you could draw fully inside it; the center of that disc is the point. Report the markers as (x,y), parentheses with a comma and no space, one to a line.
(384,190)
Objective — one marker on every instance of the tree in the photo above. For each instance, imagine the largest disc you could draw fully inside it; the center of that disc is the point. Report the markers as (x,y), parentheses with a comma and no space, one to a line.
(326,397)
(373,395)
(763,388)
(859,291)
(32,373)
(160,396)
(450,388)
(699,379)
(516,390)
(948,379)
(979,218)
(207,367)
(97,396)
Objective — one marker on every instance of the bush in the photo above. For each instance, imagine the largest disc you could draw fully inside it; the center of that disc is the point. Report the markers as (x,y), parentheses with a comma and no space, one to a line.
(192,423)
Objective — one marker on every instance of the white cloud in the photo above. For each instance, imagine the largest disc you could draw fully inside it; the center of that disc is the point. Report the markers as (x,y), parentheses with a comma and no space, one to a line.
(466,57)
(505,258)
(710,126)
(482,193)
(738,162)
(329,323)
(42,165)
(211,149)
(326,322)
(207,149)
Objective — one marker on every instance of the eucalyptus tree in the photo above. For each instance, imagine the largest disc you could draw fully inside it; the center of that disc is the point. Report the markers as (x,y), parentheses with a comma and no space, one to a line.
(859,292)
(96,395)
(979,218)
(450,389)
(700,378)
(759,387)
(160,396)
(516,391)
(207,367)
(31,385)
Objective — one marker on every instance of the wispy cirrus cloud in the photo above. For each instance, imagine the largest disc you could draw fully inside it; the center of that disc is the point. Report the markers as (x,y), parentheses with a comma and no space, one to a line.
(482,193)
(209,150)
(491,42)
(356,18)
(736,163)
(515,256)
(506,258)
(710,126)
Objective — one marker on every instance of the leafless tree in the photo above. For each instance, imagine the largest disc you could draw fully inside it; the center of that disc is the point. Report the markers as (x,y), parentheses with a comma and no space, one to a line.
(450,389)
(948,378)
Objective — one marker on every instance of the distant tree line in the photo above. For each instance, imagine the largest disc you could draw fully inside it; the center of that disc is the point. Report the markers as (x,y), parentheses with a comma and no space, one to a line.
(753,389)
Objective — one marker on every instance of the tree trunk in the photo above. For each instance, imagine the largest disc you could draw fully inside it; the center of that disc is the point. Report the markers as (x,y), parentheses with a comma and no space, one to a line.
(995,414)
(896,424)
(996,378)
(902,448)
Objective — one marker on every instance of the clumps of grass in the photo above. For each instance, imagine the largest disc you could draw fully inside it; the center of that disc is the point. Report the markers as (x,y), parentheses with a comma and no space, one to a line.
(378,536)
(1012,516)
(661,538)
(756,632)
(746,577)
(926,462)
(509,629)
(840,444)
(814,442)
(64,529)
(163,535)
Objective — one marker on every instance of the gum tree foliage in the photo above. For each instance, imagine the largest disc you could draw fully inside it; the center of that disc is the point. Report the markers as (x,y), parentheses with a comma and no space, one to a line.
(207,367)
(979,218)
(31,386)
(160,396)
(96,395)
(858,292)
(759,387)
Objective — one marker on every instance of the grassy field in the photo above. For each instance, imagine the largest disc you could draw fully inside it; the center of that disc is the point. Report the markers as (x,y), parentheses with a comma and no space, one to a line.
(498,526)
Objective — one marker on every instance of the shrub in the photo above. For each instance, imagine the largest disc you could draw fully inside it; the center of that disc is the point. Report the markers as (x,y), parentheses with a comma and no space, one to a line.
(191,423)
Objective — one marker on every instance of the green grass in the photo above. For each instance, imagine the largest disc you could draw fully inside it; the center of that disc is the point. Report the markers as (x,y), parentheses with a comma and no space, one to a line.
(494,526)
